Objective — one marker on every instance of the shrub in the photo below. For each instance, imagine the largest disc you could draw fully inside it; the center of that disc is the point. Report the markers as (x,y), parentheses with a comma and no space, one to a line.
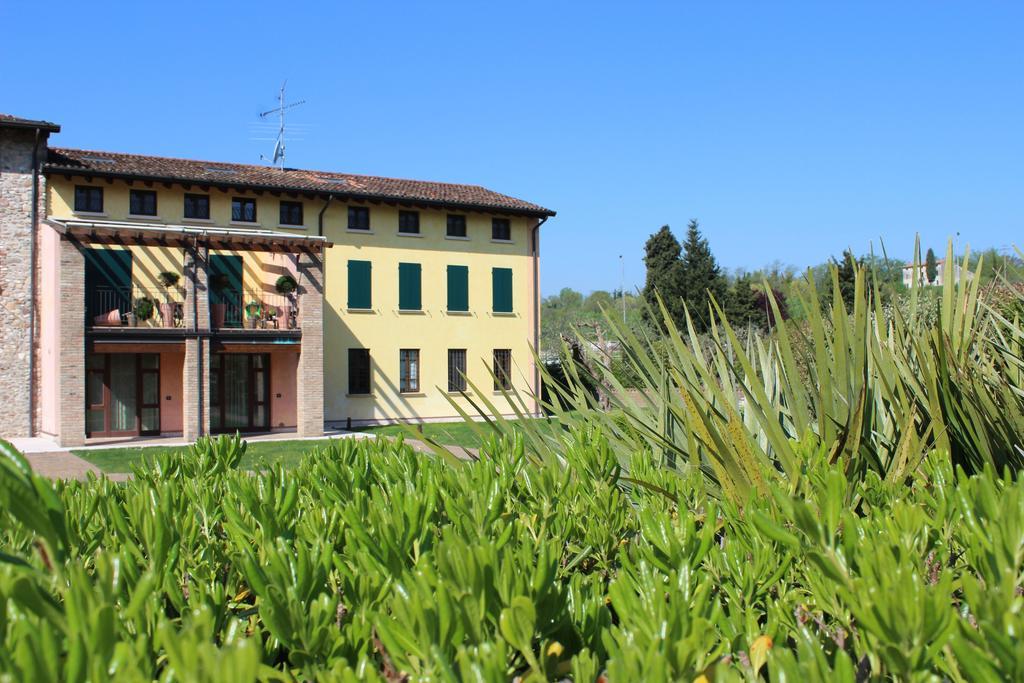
(370,561)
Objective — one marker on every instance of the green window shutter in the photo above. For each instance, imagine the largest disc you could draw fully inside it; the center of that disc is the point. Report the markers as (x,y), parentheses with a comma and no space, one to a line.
(409,291)
(501,286)
(458,288)
(359,289)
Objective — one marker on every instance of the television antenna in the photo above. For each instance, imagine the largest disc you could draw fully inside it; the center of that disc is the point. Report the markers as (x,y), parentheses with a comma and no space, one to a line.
(278,156)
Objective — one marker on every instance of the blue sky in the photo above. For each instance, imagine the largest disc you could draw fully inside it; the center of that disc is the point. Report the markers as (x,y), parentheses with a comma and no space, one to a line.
(790,130)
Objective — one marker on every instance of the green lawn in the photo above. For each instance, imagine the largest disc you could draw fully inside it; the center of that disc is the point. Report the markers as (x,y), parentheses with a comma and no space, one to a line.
(120,459)
(448,433)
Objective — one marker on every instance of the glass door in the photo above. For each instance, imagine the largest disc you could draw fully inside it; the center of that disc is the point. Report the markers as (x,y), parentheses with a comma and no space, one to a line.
(239,392)
(122,394)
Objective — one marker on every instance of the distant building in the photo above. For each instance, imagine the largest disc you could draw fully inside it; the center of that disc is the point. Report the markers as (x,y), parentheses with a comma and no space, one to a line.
(922,275)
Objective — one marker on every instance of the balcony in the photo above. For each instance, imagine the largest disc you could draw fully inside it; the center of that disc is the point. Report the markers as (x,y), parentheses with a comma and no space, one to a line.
(134,306)
(253,310)
(164,307)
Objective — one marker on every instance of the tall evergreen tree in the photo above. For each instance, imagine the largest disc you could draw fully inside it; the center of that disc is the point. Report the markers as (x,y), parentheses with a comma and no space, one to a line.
(741,304)
(931,266)
(847,277)
(702,278)
(664,276)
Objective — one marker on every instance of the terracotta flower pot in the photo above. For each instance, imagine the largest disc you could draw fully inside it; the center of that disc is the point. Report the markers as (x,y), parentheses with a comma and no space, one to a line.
(167,313)
(218,312)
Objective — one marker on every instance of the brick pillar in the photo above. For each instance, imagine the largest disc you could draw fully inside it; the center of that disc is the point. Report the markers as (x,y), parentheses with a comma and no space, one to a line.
(195,394)
(309,376)
(71,347)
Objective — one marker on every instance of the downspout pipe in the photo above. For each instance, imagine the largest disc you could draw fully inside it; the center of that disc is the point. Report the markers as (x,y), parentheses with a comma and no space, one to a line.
(32,287)
(320,218)
(535,243)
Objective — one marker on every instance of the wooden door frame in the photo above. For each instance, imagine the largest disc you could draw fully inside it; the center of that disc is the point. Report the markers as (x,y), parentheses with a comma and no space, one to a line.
(106,405)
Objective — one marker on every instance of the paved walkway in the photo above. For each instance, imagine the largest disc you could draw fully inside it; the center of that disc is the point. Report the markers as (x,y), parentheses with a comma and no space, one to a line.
(67,465)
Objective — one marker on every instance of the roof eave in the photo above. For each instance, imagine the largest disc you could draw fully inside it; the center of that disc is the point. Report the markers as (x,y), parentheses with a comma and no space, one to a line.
(540,212)
(30,124)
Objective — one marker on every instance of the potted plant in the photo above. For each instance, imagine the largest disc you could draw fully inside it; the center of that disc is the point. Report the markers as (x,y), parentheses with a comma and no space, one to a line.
(219,310)
(143,309)
(168,309)
(253,313)
(286,286)
(168,278)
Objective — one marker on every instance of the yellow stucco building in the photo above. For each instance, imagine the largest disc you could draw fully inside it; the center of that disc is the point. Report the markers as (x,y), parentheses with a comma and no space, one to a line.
(214,296)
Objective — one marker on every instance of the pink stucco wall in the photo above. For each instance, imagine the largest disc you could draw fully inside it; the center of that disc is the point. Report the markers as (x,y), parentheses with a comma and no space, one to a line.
(48,298)
(283,368)
(172,367)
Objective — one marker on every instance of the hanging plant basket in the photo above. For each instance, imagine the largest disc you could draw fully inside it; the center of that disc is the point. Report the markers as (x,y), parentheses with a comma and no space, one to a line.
(286,284)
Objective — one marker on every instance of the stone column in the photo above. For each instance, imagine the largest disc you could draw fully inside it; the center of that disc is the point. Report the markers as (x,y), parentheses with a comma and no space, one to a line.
(195,395)
(309,376)
(16,235)
(71,347)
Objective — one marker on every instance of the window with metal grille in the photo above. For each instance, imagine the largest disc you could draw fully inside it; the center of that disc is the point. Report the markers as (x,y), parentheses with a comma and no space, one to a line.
(358,218)
(502,369)
(501,229)
(456,226)
(456,369)
(409,370)
(88,199)
(243,210)
(291,213)
(409,222)
(142,202)
(197,206)
(359,371)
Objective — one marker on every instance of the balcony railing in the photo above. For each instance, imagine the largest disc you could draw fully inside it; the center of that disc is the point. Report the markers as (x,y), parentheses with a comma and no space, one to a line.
(165,308)
(252,310)
(134,306)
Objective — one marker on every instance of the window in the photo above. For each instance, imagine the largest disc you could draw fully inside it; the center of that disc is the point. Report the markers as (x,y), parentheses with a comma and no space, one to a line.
(456,369)
(197,206)
(88,199)
(501,229)
(409,372)
(358,371)
(501,289)
(291,213)
(458,289)
(243,210)
(142,203)
(358,218)
(409,290)
(409,222)
(359,289)
(456,226)
(502,369)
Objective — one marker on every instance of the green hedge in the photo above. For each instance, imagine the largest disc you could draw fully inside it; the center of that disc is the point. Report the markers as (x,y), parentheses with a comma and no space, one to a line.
(372,562)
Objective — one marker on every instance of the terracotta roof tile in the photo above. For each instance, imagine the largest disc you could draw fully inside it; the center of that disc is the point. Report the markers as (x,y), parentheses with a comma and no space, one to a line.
(113,164)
